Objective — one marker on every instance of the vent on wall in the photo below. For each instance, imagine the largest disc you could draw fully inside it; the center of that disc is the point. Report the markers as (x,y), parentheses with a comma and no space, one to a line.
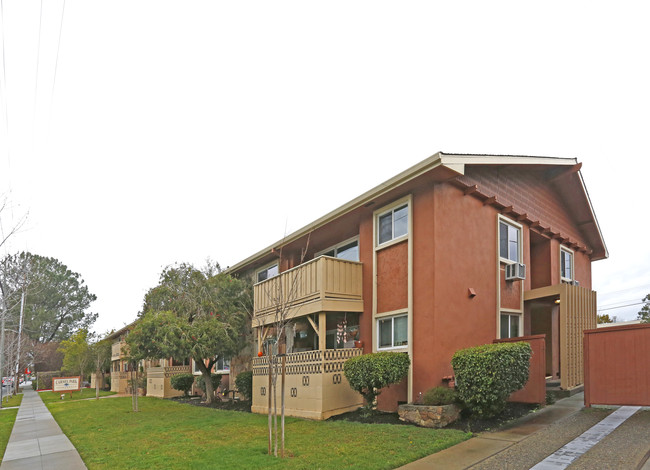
(515,271)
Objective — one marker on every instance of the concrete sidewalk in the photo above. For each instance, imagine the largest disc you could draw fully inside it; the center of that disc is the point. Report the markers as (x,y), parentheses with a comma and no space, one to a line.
(531,439)
(488,444)
(37,441)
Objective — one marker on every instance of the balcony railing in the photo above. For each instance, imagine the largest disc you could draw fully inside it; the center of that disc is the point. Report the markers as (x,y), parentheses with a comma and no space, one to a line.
(323,284)
(116,350)
(315,384)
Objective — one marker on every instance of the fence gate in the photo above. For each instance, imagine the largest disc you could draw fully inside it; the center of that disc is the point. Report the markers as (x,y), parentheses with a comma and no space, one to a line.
(617,365)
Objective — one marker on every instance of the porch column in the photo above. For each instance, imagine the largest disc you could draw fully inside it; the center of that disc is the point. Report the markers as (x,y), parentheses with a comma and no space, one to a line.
(555,340)
(322,331)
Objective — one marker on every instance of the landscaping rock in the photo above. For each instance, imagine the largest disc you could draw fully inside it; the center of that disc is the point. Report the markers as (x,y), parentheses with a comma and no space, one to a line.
(429,416)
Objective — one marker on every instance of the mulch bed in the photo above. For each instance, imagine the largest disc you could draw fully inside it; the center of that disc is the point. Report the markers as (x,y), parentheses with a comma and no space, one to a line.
(231,405)
(465,423)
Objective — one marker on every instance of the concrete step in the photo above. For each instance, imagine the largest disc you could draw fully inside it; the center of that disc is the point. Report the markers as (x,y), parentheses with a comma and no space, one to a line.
(558,393)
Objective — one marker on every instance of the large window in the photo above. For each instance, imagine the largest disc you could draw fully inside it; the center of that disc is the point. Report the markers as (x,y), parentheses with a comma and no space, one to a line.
(392,332)
(267,273)
(566,264)
(510,325)
(509,241)
(392,224)
(348,250)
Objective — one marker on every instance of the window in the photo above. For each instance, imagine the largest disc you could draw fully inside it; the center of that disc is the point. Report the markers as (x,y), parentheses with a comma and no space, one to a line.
(348,250)
(222,366)
(392,224)
(566,264)
(392,332)
(509,241)
(509,325)
(267,273)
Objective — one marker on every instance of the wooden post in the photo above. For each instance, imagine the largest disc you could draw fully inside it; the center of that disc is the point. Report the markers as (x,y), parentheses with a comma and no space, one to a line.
(322,331)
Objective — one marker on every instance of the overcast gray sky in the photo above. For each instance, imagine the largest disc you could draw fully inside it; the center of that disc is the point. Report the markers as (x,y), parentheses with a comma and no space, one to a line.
(179,130)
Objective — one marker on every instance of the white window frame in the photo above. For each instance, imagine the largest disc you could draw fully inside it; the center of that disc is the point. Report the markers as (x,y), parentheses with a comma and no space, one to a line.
(572,267)
(391,209)
(520,327)
(266,268)
(339,245)
(513,224)
(196,371)
(392,332)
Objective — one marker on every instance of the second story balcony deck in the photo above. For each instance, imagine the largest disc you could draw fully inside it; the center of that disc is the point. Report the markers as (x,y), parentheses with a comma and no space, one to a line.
(324,284)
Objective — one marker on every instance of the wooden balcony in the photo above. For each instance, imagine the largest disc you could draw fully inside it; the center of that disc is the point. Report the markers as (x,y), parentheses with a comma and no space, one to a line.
(323,284)
(116,350)
(315,385)
(159,380)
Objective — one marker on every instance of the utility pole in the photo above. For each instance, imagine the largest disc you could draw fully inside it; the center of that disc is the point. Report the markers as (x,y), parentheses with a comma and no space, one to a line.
(20,332)
(2,339)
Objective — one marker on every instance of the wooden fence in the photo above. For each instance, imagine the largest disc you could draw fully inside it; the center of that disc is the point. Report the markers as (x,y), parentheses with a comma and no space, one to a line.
(617,365)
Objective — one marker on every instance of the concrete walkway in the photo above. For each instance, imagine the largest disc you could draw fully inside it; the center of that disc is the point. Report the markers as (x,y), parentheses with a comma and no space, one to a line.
(531,439)
(37,441)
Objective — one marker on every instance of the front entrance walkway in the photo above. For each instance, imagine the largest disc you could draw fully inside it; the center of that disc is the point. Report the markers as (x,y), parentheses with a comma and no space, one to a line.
(37,441)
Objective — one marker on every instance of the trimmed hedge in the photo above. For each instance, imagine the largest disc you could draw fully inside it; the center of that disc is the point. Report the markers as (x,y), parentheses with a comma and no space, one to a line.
(182,383)
(43,380)
(369,373)
(439,396)
(216,380)
(244,383)
(487,375)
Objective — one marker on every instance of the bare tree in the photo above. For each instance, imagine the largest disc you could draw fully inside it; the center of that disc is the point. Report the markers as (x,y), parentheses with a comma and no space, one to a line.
(281,293)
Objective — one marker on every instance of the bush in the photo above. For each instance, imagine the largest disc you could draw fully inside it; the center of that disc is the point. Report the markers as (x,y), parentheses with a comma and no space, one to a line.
(369,373)
(439,396)
(182,382)
(487,375)
(244,383)
(216,380)
(43,380)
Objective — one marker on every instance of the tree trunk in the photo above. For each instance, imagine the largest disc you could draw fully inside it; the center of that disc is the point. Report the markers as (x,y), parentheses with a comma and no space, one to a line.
(209,391)
(269,406)
(284,362)
(97,384)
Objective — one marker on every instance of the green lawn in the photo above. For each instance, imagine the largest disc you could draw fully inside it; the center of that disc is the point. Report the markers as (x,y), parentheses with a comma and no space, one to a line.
(7,418)
(13,401)
(83,394)
(165,434)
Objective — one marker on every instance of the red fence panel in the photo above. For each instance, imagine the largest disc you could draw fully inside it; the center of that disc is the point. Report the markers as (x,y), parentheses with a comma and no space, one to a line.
(617,365)
(535,389)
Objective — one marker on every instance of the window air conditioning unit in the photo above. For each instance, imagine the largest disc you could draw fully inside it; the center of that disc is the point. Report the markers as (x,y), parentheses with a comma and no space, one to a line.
(515,271)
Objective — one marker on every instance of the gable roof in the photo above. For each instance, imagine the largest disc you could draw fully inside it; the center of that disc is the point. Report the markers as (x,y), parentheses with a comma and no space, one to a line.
(445,167)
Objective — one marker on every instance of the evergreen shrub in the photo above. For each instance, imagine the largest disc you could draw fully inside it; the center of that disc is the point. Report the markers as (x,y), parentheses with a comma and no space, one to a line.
(182,383)
(216,380)
(244,383)
(369,373)
(439,396)
(487,375)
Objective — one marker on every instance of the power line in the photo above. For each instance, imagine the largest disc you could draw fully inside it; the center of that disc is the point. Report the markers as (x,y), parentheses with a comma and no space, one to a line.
(622,306)
(38,60)
(4,81)
(56,61)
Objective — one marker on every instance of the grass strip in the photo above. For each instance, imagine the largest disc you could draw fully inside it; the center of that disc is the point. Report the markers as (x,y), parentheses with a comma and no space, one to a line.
(83,394)
(165,434)
(15,400)
(7,419)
